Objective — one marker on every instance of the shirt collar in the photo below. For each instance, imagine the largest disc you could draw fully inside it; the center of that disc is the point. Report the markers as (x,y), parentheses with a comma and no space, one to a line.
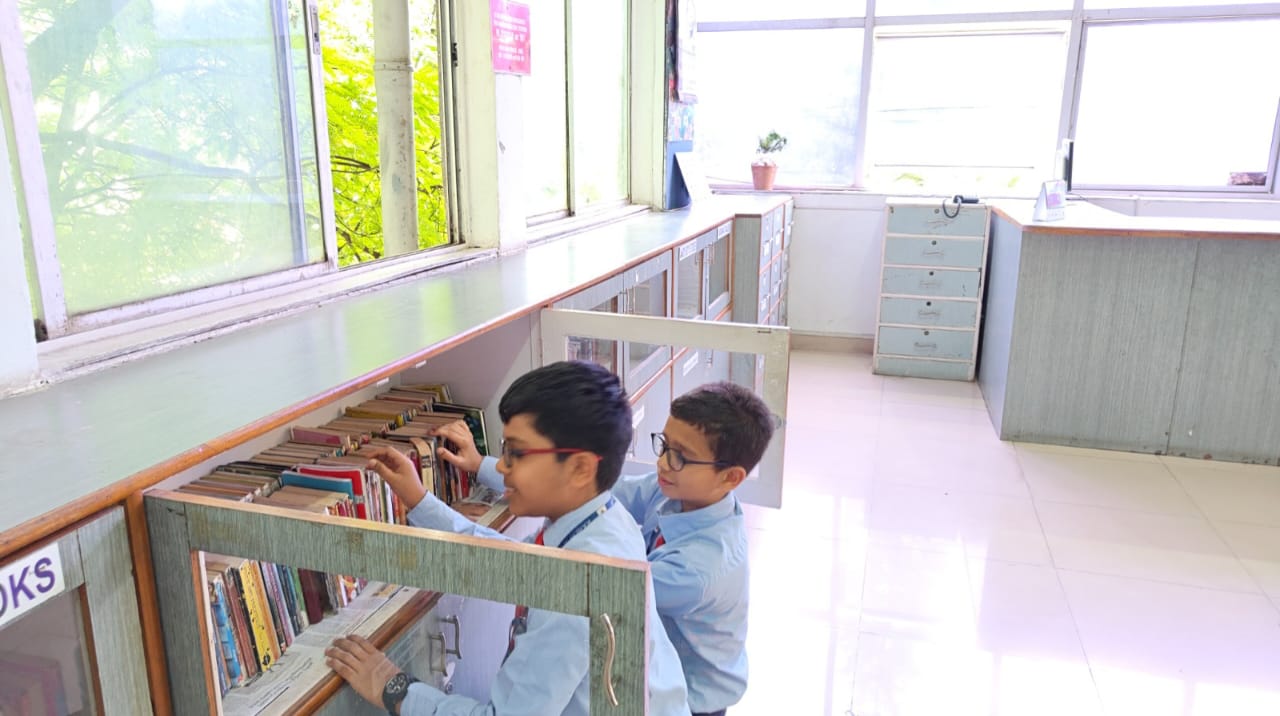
(559,529)
(676,524)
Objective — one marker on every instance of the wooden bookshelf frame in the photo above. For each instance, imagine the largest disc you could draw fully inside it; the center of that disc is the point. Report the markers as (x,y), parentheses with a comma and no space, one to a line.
(610,592)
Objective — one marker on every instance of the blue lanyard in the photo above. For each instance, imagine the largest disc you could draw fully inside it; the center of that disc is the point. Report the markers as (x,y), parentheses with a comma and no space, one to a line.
(587,520)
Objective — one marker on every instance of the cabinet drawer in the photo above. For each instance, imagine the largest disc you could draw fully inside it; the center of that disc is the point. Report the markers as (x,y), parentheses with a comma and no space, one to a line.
(972,221)
(787,210)
(766,250)
(924,342)
(951,283)
(926,312)
(919,368)
(962,253)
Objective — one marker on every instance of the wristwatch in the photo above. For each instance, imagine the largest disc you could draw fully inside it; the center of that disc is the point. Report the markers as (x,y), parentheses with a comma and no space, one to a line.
(394,692)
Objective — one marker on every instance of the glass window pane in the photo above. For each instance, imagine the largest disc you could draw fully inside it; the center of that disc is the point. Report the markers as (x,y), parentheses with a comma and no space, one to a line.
(946,132)
(719,271)
(729,10)
(428,138)
(1194,119)
(804,84)
(601,173)
(1103,4)
(596,350)
(890,8)
(164,145)
(45,661)
(546,120)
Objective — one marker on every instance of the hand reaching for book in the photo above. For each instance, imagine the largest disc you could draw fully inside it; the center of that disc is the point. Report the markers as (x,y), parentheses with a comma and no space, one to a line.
(400,473)
(467,457)
(362,665)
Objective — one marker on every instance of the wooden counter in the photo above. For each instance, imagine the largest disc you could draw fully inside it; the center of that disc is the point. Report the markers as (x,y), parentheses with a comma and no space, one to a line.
(1153,335)
(90,442)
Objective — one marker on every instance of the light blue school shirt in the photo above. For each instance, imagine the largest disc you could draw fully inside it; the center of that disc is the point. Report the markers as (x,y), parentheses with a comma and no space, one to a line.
(548,671)
(700,580)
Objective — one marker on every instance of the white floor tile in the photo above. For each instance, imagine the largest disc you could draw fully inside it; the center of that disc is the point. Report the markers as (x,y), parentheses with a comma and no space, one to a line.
(1139,485)
(1022,611)
(1234,493)
(916,592)
(1167,649)
(986,468)
(1258,548)
(979,525)
(1166,548)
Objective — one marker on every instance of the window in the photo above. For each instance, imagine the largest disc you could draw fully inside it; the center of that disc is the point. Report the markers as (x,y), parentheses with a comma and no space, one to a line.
(971,111)
(804,84)
(577,111)
(181,152)
(1168,104)
(171,144)
(732,10)
(969,7)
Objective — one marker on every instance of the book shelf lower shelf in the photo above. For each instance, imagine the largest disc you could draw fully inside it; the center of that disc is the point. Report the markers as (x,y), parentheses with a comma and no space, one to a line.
(300,682)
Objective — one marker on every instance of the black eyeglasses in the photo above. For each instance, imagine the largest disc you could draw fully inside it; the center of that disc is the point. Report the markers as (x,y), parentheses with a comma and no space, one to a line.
(676,459)
(510,454)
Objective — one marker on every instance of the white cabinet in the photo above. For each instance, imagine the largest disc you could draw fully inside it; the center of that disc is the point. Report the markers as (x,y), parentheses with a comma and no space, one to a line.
(931,283)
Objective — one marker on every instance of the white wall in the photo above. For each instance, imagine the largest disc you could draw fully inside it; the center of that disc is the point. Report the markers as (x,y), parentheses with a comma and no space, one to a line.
(835,264)
(17,337)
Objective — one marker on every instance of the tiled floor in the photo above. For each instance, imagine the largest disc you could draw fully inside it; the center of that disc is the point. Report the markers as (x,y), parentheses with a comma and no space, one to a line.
(921,566)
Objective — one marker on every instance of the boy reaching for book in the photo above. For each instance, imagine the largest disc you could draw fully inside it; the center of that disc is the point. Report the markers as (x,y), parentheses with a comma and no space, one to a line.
(694,529)
(566,428)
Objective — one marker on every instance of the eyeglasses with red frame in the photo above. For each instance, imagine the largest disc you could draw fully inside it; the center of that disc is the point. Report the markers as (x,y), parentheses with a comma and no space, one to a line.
(510,454)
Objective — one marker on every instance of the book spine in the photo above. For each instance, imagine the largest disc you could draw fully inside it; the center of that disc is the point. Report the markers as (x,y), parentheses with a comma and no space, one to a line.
(311,588)
(250,659)
(299,600)
(255,597)
(275,601)
(222,621)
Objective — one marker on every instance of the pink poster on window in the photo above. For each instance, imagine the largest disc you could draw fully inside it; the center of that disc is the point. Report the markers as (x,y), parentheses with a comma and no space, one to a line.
(510,25)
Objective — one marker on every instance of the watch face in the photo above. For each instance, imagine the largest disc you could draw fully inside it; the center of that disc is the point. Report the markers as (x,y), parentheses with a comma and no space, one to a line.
(397,684)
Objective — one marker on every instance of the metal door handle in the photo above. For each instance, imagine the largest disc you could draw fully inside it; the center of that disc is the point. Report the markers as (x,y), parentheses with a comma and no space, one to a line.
(457,635)
(444,667)
(608,659)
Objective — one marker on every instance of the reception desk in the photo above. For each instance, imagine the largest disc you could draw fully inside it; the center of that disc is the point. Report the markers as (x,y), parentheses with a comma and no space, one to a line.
(1146,334)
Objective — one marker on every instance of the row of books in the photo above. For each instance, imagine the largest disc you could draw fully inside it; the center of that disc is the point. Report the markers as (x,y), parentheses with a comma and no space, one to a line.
(257,608)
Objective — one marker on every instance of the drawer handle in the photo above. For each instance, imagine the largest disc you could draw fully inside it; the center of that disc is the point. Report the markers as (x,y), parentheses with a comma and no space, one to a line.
(930,284)
(608,659)
(925,346)
(934,252)
(457,635)
(444,666)
(930,314)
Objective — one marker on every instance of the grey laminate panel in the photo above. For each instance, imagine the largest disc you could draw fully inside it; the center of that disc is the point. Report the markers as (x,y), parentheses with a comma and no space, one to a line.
(84,434)
(1228,397)
(997,320)
(113,604)
(1097,338)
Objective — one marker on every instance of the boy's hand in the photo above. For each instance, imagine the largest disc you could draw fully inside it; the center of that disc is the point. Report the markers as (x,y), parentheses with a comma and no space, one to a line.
(467,457)
(364,667)
(400,473)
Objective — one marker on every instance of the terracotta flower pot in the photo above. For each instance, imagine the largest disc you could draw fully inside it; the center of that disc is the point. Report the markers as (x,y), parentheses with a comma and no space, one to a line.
(762,176)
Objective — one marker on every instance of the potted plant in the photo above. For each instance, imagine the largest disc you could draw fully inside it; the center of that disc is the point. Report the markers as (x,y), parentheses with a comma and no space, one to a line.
(763,169)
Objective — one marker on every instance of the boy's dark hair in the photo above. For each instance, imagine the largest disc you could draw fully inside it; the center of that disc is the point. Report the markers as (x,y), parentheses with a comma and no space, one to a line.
(576,405)
(736,421)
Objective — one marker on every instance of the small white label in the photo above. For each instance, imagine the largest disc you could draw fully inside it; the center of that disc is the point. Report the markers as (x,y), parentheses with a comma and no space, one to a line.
(419,364)
(722,231)
(688,250)
(637,417)
(692,363)
(29,582)
(382,382)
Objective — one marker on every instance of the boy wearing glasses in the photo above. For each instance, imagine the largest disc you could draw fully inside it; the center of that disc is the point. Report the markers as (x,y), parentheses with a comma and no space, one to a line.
(566,429)
(694,529)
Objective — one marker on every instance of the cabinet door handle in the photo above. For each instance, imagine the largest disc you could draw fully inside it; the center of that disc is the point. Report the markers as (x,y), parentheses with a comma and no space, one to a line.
(608,659)
(457,635)
(929,314)
(444,667)
(926,346)
(934,252)
(930,284)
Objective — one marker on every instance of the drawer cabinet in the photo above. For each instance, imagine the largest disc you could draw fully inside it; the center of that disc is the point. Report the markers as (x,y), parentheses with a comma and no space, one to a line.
(931,282)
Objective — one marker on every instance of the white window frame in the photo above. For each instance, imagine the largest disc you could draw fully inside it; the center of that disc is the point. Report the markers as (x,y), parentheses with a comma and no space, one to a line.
(40,241)
(573,217)
(1079,18)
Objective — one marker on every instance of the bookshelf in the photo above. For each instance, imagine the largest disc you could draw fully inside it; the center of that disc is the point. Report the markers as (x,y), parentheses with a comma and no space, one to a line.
(477,326)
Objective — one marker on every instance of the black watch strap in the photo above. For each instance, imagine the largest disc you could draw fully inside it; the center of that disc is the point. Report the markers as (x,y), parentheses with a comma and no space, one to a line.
(395,691)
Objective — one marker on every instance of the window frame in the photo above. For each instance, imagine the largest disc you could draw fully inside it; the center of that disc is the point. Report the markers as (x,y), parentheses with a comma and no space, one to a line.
(35,210)
(551,223)
(1080,20)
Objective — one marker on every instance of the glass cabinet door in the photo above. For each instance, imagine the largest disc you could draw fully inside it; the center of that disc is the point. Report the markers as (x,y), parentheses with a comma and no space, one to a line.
(689,273)
(70,638)
(647,298)
(719,276)
(596,350)
(45,658)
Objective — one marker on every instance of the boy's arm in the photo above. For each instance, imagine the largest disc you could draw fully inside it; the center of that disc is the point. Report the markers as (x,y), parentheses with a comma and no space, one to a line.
(677,588)
(433,514)
(636,494)
(489,476)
